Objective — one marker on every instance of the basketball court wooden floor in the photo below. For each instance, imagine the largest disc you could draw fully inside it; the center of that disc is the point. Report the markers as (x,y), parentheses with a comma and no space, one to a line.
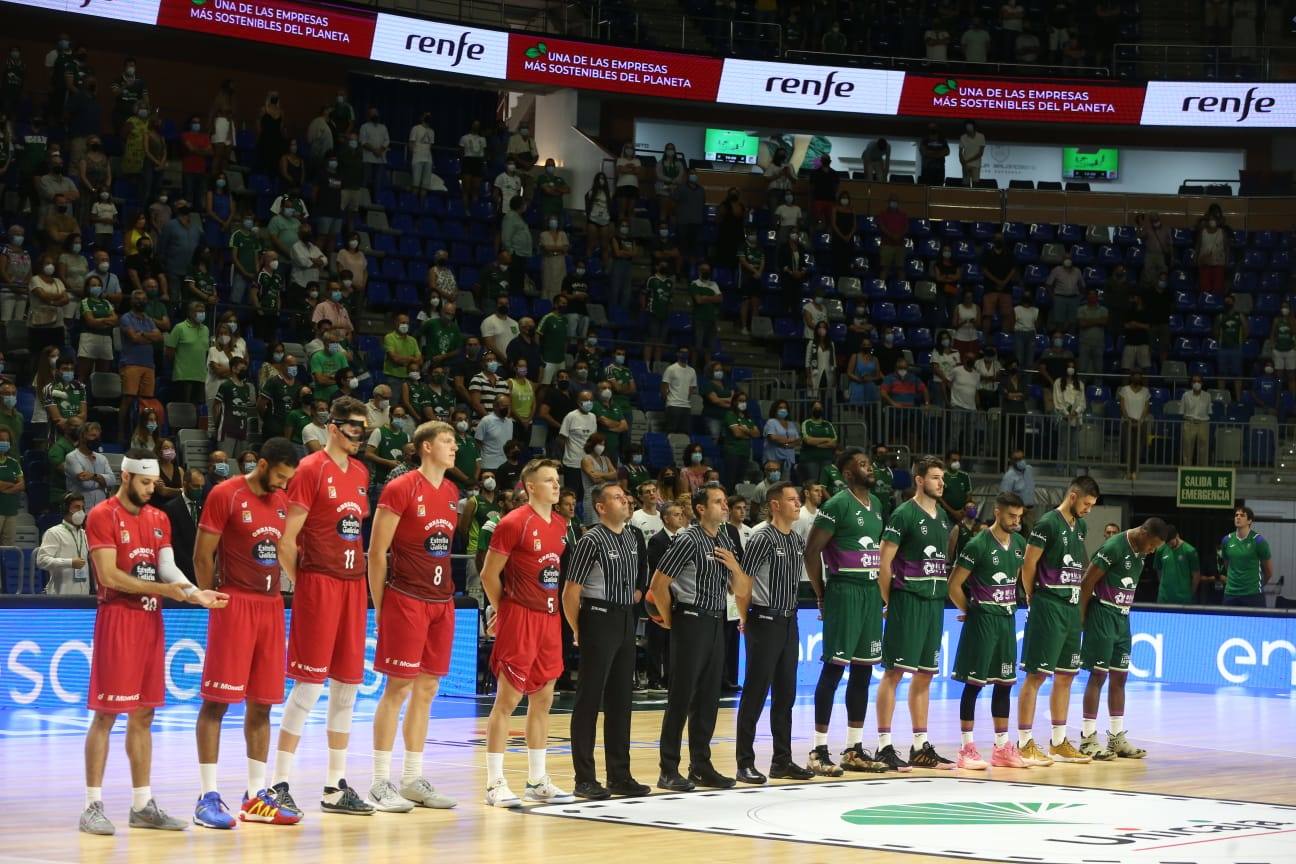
(1208,752)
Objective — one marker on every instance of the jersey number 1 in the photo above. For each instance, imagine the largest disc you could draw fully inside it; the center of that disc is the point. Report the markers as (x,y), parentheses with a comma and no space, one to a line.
(348,559)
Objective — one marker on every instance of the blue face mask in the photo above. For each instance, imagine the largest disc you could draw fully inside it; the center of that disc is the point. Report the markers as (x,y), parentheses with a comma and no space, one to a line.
(336,296)
(696,458)
(781,413)
(587,406)
(774,476)
(151,426)
(9,401)
(221,469)
(67,376)
(637,459)
(292,371)
(4,446)
(492,367)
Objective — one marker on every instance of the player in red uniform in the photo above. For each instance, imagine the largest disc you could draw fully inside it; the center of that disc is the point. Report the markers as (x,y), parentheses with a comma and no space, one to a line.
(130,551)
(244,518)
(520,578)
(414,604)
(322,552)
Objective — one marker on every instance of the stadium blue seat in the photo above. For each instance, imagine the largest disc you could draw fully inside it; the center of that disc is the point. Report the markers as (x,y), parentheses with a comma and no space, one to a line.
(884,313)
(1042,232)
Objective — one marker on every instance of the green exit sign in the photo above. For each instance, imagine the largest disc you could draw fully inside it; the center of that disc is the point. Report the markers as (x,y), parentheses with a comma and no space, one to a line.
(1205,487)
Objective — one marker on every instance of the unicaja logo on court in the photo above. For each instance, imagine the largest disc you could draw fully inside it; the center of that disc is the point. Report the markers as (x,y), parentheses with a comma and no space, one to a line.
(961,813)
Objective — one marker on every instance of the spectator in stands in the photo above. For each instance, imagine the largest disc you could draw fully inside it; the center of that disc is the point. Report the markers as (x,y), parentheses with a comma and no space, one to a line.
(284,229)
(844,229)
(679,385)
(731,229)
(1026,45)
(932,152)
(624,252)
(352,263)
(666,251)
(796,263)
(689,208)
(525,349)
(717,397)
(515,237)
(876,159)
(140,266)
(554,246)
(472,147)
(59,223)
(314,435)
(1073,51)
(401,352)
(522,150)
(10,417)
(218,206)
(751,272)
(975,42)
(186,351)
(782,438)
(1092,322)
(1212,245)
(893,225)
(103,218)
(834,41)
(522,407)
(231,408)
(179,242)
(139,335)
(87,470)
(498,330)
(15,271)
(63,443)
(308,261)
(423,177)
(63,551)
(737,436)
(487,385)
(47,299)
(332,310)
(494,429)
(999,268)
(93,171)
(46,365)
(1283,340)
(705,297)
(1065,285)
(145,435)
(787,216)
(320,139)
(1054,360)
(245,243)
(442,338)
(1231,332)
(948,276)
(1137,353)
(819,441)
(1158,249)
(670,173)
(943,362)
(990,370)
(628,168)
(1196,408)
(813,313)
(821,365)
(972,144)
(1116,297)
(551,191)
(1019,478)
(937,41)
(823,191)
(64,399)
(375,142)
(1069,407)
(693,470)
(442,287)
(598,218)
(1135,401)
(195,149)
(50,186)
(888,353)
(465,366)
(574,433)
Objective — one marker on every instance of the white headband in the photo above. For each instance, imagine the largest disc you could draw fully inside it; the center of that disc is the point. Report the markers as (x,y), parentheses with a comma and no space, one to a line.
(143,467)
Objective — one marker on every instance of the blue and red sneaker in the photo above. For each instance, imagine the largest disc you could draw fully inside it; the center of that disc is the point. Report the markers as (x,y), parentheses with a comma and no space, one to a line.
(263,807)
(211,812)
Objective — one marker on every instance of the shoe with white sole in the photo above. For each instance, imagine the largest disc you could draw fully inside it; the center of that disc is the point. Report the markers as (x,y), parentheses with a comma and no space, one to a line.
(498,794)
(545,792)
(384,797)
(970,759)
(423,794)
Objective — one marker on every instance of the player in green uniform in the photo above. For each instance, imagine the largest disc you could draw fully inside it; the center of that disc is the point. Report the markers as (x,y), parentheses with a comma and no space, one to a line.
(845,535)
(1051,577)
(1111,580)
(917,546)
(1245,562)
(984,586)
(478,510)
(1180,569)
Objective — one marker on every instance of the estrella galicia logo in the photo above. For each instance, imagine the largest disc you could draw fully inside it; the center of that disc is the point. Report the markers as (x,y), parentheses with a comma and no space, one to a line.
(145,571)
(348,528)
(437,545)
(265,553)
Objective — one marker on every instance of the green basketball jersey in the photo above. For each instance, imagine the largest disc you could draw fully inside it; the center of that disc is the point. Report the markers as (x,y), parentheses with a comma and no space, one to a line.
(856,535)
(919,566)
(1061,566)
(993,569)
(1122,567)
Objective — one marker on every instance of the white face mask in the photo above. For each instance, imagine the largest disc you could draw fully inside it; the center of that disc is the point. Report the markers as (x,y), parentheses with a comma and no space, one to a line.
(78,518)
(1197,386)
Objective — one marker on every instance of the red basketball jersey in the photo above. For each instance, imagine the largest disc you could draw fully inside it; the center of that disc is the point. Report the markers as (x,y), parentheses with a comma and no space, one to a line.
(138,540)
(250,527)
(420,548)
(337,503)
(534,548)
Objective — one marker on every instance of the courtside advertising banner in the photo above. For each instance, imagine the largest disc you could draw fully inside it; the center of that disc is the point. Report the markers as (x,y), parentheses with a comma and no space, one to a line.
(278,22)
(1009,99)
(1211,103)
(810,88)
(452,48)
(589,65)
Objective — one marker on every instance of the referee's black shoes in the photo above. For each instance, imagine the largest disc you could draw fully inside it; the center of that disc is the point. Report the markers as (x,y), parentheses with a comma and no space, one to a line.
(673,782)
(749,774)
(591,790)
(790,771)
(628,788)
(707,775)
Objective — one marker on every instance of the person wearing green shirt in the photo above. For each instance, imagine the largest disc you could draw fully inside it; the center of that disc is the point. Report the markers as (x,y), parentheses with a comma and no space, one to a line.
(883,478)
(818,443)
(552,331)
(325,365)
(283,230)
(984,588)
(416,396)
(298,419)
(246,248)
(12,486)
(232,408)
(1179,566)
(64,443)
(386,448)
(467,465)
(844,538)
(400,350)
(751,272)
(717,396)
(657,303)
(705,298)
(611,420)
(831,479)
(958,486)
(186,352)
(917,546)
(1106,596)
(550,189)
(1245,563)
(442,338)
(623,383)
(1283,336)
(736,438)
(494,280)
(267,294)
(1051,578)
(278,397)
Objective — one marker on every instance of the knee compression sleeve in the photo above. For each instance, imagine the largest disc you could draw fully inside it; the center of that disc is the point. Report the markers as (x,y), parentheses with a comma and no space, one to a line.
(301,701)
(857,693)
(826,692)
(1000,700)
(341,704)
(967,702)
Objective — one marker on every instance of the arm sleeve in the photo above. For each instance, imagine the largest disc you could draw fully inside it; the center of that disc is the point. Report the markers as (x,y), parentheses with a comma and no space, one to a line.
(170,573)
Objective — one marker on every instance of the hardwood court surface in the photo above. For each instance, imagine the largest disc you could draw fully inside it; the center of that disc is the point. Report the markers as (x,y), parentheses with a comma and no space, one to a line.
(1223,744)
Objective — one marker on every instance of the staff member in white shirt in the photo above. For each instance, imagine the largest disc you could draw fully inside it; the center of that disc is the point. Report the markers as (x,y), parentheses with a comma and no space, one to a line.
(63,552)
(971,147)
(1196,404)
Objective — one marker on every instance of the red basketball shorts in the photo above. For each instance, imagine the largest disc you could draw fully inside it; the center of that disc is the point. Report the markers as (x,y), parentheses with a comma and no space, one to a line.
(327,637)
(126,664)
(245,650)
(528,647)
(414,636)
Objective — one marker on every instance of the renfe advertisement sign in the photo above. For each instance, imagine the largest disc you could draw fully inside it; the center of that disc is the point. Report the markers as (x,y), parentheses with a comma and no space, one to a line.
(588,65)
(459,49)
(1009,99)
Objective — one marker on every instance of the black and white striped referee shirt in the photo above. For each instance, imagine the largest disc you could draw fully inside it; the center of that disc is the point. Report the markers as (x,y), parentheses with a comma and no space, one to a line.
(606,565)
(775,562)
(698,577)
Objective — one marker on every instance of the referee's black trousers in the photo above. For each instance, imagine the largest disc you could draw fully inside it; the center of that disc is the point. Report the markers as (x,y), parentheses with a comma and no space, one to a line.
(697,656)
(607,663)
(772,650)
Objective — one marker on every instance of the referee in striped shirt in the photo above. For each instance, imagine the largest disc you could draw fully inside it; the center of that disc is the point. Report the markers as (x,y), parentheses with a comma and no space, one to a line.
(605,576)
(697,570)
(774,559)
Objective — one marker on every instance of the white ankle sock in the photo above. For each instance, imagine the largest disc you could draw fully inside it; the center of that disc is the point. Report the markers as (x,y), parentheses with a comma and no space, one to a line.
(821,739)
(1059,734)
(920,738)
(140,796)
(1088,726)
(413,767)
(884,740)
(1001,738)
(494,767)
(1117,725)
(1023,737)
(535,764)
(256,771)
(381,765)
(967,737)
(283,766)
(207,773)
(93,794)
(854,735)
(336,767)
